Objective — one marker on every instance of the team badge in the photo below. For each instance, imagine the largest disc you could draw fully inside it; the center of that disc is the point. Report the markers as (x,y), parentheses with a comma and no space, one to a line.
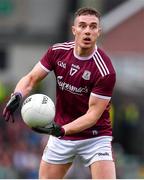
(86,75)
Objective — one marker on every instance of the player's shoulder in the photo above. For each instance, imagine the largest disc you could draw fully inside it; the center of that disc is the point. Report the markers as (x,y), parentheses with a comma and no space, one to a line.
(103,54)
(65,46)
(103,61)
(58,49)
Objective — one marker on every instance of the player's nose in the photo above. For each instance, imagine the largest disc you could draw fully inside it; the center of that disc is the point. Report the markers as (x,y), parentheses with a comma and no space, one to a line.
(87,30)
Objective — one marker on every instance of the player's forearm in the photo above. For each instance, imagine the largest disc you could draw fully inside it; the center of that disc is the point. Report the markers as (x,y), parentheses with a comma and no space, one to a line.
(96,108)
(84,122)
(25,85)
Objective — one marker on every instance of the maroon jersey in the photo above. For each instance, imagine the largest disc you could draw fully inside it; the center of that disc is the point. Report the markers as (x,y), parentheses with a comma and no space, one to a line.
(77,78)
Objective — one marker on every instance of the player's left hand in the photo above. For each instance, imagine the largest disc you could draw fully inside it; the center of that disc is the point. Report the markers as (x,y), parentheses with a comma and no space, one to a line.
(11,106)
(54,130)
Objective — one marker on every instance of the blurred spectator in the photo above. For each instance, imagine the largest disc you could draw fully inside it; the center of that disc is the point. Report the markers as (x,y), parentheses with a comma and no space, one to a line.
(126,125)
(2,92)
(20,150)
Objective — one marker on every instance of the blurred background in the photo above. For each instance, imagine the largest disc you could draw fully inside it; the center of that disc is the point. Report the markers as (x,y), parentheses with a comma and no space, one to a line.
(27,29)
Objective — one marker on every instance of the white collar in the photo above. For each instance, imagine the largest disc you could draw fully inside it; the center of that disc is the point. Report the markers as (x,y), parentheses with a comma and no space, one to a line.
(84,57)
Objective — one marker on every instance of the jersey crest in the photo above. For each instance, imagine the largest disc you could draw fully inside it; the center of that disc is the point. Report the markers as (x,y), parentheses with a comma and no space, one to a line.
(86,75)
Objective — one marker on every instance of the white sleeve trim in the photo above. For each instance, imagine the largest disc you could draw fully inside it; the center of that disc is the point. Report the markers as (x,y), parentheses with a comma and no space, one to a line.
(100,96)
(43,67)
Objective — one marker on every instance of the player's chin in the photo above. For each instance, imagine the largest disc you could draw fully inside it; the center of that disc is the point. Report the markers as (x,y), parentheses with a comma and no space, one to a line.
(86,45)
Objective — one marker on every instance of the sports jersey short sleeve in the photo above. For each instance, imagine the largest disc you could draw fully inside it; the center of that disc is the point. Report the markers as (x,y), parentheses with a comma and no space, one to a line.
(105,82)
(104,86)
(47,60)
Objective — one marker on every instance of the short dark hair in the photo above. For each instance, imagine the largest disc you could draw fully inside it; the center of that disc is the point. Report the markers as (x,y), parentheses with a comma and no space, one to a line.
(87,11)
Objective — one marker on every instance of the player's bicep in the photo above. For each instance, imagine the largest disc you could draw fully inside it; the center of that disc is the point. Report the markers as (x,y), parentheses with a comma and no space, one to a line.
(38,73)
(97,105)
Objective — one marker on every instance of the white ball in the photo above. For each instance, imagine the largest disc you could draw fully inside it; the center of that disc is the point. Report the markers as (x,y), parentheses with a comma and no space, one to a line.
(38,110)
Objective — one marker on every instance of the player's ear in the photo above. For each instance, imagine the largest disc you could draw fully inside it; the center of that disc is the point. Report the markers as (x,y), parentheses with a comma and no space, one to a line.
(99,31)
(73,30)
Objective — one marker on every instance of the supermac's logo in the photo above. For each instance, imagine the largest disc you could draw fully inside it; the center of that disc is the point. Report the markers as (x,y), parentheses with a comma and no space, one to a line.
(68,87)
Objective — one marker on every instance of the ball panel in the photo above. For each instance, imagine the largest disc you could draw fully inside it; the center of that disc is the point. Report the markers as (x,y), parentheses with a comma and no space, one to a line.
(35,119)
(38,110)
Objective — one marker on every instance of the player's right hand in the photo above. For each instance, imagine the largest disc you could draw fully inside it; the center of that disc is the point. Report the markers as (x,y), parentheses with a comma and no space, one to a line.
(54,129)
(11,106)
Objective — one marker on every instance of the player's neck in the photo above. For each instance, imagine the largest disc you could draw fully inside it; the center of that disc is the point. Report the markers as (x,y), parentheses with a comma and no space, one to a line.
(84,52)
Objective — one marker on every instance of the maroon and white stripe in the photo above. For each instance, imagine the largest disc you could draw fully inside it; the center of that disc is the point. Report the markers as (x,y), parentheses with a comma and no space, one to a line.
(101,96)
(43,67)
(100,64)
(65,46)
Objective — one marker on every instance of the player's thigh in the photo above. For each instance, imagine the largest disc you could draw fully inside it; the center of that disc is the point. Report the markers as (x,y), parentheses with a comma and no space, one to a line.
(52,171)
(103,170)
